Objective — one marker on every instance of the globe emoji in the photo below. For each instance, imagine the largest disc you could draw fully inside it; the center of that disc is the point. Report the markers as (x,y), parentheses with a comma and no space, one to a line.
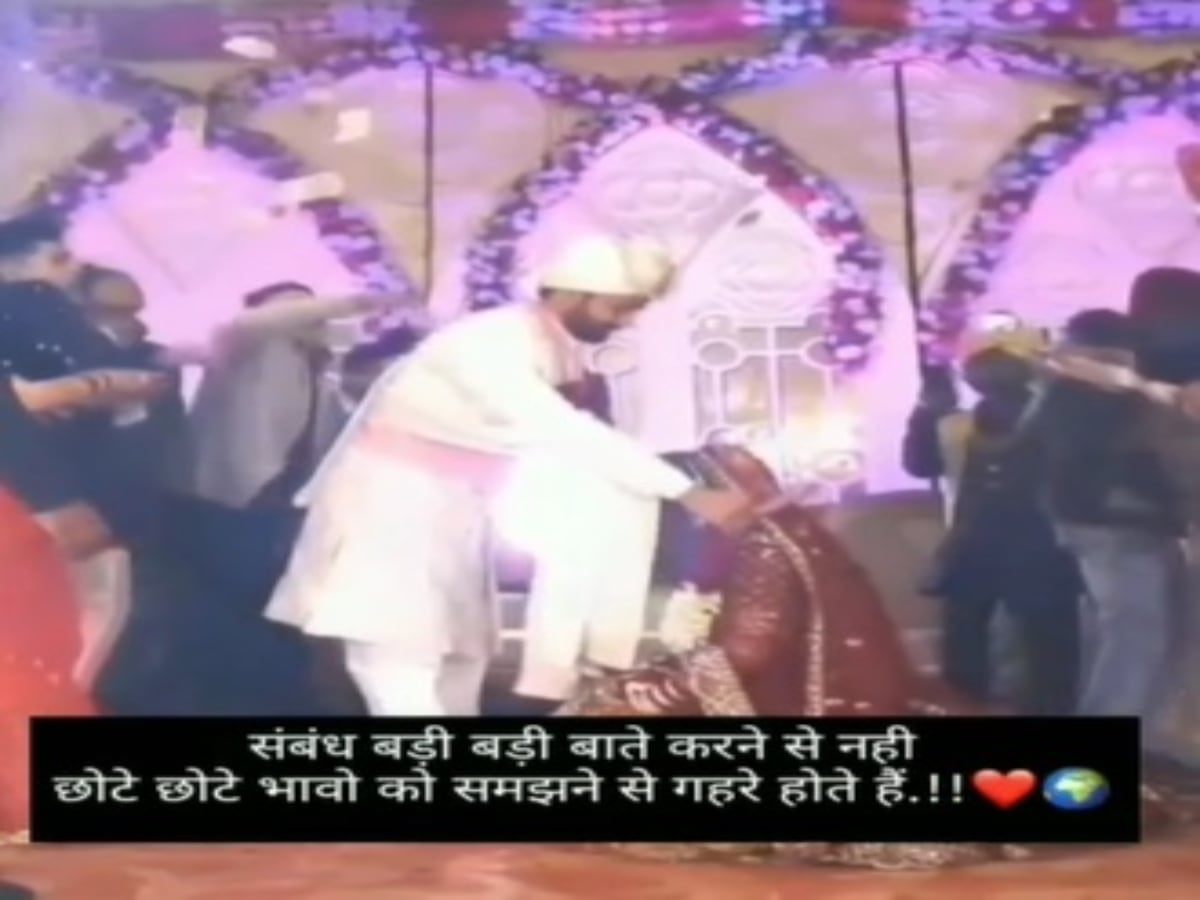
(1075,789)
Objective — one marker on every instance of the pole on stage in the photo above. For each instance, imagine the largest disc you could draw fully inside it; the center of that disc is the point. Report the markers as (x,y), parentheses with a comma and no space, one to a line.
(929,373)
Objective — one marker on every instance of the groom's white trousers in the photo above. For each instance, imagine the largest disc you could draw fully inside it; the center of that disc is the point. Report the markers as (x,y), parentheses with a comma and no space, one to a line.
(394,560)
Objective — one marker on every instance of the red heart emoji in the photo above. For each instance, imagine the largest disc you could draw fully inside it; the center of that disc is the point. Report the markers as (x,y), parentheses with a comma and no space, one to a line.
(1004,790)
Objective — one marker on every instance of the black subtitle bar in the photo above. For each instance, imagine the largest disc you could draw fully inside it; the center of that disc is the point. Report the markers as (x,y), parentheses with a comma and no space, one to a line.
(585,780)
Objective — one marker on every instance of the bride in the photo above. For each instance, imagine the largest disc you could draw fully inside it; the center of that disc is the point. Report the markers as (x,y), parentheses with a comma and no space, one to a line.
(799,630)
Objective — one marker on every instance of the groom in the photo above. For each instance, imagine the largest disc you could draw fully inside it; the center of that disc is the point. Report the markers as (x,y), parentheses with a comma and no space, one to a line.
(393,559)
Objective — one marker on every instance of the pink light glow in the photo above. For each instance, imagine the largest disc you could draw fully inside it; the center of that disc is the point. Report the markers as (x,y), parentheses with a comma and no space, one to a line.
(192,227)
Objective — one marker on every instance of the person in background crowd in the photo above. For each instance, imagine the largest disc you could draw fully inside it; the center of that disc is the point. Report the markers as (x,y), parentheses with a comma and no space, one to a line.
(191,655)
(114,303)
(1000,551)
(1117,511)
(1164,305)
(45,335)
(152,657)
(43,525)
(161,442)
(265,411)
(416,473)
(184,653)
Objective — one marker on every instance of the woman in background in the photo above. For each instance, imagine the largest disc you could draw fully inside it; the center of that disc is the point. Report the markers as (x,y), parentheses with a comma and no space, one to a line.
(39,645)
(1115,508)
(42,526)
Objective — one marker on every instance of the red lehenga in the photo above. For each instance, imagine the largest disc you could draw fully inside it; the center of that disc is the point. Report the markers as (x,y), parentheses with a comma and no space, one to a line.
(799,631)
(39,643)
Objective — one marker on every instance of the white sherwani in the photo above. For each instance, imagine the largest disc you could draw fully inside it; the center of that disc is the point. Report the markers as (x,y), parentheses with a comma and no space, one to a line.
(393,558)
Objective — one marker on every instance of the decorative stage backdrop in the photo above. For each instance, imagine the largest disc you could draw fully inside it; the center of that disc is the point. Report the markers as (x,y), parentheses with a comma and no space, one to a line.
(195,29)
(1044,182)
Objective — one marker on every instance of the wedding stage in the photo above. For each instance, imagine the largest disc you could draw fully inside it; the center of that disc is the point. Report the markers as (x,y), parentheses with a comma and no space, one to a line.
(852,186)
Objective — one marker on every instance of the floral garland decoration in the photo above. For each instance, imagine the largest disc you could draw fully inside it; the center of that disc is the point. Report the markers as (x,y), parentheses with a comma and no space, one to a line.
(1015,182)
(1040,153)
(815,51)
(854,312)
(517,62)
(343,227)
(346,229)
(855,304)
(110,160)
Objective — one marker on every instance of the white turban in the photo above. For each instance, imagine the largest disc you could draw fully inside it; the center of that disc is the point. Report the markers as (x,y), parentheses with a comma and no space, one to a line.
(598,265)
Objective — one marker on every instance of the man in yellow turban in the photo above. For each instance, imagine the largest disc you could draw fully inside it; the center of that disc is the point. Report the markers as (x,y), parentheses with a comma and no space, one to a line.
(1020,341)
(393,557)
(1000,551)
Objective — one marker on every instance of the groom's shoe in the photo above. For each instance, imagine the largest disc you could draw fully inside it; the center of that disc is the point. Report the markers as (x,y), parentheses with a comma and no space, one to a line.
(10,891)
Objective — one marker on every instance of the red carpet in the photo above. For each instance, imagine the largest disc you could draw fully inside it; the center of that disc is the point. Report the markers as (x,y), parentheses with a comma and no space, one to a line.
(1163,871)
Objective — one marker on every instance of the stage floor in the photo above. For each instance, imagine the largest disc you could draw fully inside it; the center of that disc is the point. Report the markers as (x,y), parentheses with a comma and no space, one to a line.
(1163,871)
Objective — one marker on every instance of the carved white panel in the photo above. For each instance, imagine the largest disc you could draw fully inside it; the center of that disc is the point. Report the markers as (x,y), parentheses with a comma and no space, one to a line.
(1116,210)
